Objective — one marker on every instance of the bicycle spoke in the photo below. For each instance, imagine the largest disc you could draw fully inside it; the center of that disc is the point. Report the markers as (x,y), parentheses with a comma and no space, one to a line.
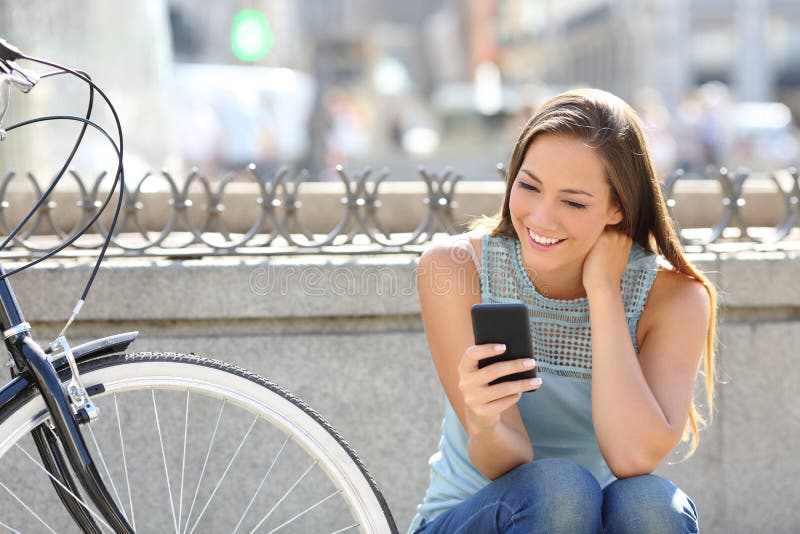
(312,483)
(334,494)
(205,462)
(263,480)
(105,467)
(65,488)
(345,529)
(284,496)
(9,528)
(34,514)
(183,463)
(225,472)
(164,457)
(125,463)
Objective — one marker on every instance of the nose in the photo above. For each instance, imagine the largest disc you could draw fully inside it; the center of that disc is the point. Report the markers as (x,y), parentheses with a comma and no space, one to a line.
(542,217)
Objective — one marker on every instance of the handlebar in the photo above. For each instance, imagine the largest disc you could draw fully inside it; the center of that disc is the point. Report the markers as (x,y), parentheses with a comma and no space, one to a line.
(12,75)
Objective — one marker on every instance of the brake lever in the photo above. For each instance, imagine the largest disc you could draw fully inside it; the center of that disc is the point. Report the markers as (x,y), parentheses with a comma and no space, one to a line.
(12,75)
(22,79)
(9,52)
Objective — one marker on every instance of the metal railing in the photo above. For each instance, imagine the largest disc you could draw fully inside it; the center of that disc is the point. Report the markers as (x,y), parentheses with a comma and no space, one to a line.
(278,227)
(732,199)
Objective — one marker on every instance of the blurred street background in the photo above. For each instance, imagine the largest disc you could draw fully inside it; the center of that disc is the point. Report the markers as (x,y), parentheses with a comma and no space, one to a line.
(311,84)
(315,83)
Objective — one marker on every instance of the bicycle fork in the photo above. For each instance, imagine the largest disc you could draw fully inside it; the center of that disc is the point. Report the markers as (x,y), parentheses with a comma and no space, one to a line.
(28,355)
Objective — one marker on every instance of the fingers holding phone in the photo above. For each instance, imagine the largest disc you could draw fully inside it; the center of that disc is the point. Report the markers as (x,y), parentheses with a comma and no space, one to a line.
(486,389)
(493,366)
(504,324)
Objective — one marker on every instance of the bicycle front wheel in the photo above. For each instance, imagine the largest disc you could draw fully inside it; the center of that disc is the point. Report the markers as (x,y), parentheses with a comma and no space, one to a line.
(187,444)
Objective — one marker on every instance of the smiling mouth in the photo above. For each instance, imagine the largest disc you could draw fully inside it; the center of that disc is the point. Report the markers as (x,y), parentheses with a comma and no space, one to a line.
(543,240)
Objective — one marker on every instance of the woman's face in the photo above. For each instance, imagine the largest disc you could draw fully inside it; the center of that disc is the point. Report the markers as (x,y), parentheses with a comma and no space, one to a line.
(560,203)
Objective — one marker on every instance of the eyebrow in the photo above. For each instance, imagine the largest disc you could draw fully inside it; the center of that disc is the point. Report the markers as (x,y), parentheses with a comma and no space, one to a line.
(572,191)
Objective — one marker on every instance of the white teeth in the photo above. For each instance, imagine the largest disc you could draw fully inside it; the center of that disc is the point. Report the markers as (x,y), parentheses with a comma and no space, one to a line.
(541,239)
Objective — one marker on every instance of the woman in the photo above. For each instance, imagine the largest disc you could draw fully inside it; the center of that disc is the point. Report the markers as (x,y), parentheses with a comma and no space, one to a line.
(621,322)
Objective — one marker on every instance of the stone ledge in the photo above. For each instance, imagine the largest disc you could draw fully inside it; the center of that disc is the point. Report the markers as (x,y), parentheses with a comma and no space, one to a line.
(309,287)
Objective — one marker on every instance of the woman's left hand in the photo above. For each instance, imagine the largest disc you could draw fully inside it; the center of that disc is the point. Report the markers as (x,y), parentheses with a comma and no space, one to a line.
(606,261)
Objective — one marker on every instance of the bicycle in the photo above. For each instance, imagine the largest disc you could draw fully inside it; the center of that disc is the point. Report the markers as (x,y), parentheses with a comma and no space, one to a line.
(226,444)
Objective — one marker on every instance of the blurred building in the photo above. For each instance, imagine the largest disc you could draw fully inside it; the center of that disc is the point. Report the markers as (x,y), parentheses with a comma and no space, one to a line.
(365,59)
(125,47)
(669,45)
(201,33)
(382,82)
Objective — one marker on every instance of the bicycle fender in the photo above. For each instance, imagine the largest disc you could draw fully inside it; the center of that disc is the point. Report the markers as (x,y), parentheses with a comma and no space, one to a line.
(100,347)
(97,347)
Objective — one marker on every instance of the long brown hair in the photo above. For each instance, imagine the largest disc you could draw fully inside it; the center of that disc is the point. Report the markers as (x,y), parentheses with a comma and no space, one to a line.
(607,124)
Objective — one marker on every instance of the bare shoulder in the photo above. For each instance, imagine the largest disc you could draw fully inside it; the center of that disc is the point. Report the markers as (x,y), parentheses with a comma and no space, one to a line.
(676,301)
(451,251)
(448,265)
(454,250)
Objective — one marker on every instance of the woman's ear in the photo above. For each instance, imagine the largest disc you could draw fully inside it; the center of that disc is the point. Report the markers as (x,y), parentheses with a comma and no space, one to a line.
(614,214)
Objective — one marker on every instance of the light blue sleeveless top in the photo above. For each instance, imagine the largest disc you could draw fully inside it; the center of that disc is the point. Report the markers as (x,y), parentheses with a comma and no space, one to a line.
(558,416)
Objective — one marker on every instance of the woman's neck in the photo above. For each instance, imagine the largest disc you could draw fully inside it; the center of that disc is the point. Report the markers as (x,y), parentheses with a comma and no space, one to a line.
(564,284)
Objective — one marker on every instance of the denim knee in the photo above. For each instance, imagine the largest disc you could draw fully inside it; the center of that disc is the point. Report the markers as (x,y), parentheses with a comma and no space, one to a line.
(562,496)
(647,504)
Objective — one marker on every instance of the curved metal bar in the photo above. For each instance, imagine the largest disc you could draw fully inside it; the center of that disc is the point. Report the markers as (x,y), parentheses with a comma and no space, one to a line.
(441,201)
(350,201)
(215,209)
(729,204)
(422,227)
(734,200)
(269,203)
(279,213)
(21,237)
(82,204)
(667,190)
(290,206)
(370,220)
(133,207)
(791,203)
(44,214)
(94,194)
(90,204)
(197,233)
(4,204)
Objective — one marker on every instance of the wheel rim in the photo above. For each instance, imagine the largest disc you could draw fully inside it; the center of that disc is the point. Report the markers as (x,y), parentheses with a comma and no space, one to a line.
(259,434)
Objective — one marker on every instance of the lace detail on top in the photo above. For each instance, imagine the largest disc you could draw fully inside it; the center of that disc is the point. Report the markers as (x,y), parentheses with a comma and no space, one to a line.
(561,329)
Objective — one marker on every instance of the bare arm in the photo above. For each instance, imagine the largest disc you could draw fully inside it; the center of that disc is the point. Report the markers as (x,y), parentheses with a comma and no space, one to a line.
(497,440)
(640,405)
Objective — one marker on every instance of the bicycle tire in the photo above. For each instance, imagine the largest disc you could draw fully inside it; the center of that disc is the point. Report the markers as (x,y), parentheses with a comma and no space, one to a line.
(336,472)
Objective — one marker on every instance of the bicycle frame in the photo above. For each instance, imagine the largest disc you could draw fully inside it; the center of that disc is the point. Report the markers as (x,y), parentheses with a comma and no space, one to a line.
(32,365)
(69,406)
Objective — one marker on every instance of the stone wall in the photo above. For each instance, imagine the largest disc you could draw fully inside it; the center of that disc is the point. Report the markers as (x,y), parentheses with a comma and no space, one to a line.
(344,333)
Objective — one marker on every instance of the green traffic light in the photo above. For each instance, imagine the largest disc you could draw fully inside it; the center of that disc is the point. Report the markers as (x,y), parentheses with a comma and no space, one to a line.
(251,35)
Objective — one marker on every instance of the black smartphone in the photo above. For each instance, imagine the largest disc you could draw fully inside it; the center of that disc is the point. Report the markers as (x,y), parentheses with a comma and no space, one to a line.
(507,324)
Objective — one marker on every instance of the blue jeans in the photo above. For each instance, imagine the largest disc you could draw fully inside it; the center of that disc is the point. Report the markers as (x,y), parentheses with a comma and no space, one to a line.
(559,496)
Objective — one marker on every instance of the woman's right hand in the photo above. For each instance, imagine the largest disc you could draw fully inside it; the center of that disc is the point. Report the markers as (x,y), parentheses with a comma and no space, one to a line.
(484,403)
